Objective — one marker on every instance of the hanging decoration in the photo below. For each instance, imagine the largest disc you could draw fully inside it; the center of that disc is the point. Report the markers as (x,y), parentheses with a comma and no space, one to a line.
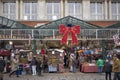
(116,39)
(65,30)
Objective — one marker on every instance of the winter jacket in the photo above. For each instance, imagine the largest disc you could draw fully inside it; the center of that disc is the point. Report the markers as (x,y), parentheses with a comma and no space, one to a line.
(2,65)
(116,65)
(107,67)
(100,62)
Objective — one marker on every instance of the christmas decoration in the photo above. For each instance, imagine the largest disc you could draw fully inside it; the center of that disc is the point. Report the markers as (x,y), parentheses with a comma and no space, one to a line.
(73,30)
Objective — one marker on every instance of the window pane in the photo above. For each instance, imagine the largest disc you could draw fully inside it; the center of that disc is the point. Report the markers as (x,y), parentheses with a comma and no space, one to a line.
(74,8)
(119,8)
(27,8)
(34,8)
(49,7)
(56,8)
(71,8)
(114,8)
(114,17)
(9,9)
(12,8)
(96,10)
(77,7)
(53,9)
(99,8)
(5,7)
(92,8)
(30,9)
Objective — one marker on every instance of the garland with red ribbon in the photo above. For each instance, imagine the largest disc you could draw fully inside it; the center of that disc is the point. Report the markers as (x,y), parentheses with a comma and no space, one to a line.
(72,30)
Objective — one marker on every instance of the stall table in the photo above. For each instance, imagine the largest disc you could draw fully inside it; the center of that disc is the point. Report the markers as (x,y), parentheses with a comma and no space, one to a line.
(88,68)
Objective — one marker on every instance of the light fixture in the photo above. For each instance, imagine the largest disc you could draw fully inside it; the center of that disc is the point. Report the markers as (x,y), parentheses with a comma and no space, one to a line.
(10,42)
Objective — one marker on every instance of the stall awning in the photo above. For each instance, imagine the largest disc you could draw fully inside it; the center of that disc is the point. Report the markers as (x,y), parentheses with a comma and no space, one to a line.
(4,52)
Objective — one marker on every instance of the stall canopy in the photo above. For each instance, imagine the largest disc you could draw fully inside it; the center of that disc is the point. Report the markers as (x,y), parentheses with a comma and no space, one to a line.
(4,52)
(69,20)
(6,23)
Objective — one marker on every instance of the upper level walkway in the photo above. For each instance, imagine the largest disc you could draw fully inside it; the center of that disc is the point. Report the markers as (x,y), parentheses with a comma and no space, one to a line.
(53,34)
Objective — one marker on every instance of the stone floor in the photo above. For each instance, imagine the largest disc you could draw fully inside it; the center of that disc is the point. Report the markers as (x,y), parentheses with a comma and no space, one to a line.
(59,76)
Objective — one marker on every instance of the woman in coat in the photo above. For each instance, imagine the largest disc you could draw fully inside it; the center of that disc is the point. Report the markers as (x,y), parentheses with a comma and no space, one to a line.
(116,67)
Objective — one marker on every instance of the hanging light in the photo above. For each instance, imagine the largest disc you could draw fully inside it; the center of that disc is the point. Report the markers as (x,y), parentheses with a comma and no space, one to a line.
(10,42)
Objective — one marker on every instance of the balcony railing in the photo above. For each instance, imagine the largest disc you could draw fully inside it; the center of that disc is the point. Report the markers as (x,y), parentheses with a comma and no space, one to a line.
(53,34)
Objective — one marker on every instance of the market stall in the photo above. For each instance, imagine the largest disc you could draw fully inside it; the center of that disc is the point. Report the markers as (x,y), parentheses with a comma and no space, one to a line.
(4,52)
(56,60)
(89,67)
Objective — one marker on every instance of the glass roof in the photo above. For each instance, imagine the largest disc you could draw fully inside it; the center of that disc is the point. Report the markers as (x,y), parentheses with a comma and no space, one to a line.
(6,23)
(69,20)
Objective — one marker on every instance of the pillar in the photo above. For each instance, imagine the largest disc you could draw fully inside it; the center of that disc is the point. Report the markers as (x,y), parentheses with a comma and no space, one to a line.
(66,8)
(103,48)
(41,9)
(21,10)
(110,15)
(1,8)
(86,9)
(17,10)
(62,8)
(105,8)
(34,49)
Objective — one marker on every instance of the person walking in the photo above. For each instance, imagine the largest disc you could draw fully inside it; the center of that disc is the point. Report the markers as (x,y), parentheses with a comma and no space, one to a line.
(74,64)
(116,67)
(2,66)
(107,69)
(33,64)
(100,64)
(14,66)
(39,66)
(45,63)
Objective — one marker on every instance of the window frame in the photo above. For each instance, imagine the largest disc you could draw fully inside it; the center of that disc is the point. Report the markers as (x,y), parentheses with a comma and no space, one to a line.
(30,9)
(10,5)
(52,15)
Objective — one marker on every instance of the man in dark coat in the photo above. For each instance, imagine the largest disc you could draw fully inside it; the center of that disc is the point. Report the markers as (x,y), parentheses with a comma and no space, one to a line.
(2,66)
(107,69)
(39,66)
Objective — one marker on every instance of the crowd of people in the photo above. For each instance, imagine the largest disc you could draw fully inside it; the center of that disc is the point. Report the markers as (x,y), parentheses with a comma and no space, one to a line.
(35,65)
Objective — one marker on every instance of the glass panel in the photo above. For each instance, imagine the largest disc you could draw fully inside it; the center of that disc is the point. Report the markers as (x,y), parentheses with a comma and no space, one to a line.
(92,8)
(56,8)
(5,7)
(119,8)
(99,8)
(10,23)
(49,7)
(74,8)
(114,8)
(30,9)
(53,9)
(27,8)
(9,9)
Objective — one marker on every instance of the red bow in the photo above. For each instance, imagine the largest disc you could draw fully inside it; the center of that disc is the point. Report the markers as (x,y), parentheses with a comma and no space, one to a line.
(72,30)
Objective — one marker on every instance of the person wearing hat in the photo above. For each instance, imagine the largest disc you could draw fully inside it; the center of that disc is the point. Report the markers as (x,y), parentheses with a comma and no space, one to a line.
(2,66)
(116,67)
